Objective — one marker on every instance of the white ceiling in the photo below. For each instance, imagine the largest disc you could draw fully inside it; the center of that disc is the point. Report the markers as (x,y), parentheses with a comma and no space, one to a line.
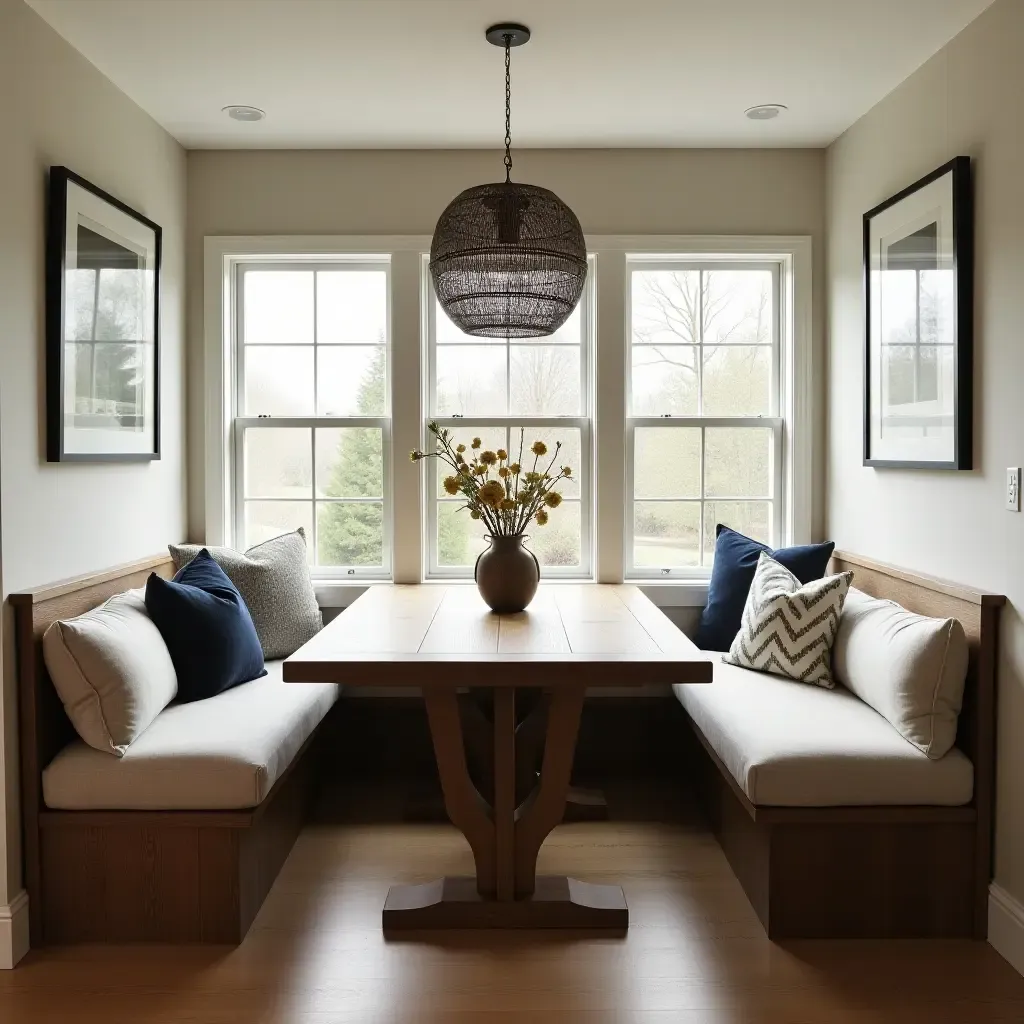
(419,74)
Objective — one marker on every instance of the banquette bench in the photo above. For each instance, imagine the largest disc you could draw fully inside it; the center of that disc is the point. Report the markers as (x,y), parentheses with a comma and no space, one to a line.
(181,839)
(834,824)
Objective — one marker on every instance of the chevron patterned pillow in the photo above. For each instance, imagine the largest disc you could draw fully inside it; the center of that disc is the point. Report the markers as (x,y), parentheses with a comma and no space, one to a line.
(788,627)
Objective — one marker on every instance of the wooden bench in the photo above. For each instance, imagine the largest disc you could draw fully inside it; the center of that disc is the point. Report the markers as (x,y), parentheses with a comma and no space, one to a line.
(127,876)
(874,871)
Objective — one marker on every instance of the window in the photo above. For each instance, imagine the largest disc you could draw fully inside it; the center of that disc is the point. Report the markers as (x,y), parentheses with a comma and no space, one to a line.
(312,430)
(502,391)
(681,389)
(704,427)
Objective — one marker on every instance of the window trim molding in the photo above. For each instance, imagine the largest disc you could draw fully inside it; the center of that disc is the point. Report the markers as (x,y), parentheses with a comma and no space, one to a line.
(774,420)
(583,421)
(222,257)
(608,368)
(797,401)
(380,263)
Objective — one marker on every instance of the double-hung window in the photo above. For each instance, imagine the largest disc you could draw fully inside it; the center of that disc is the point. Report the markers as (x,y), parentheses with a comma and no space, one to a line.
(704,425)
(508,393)
(686,404)
(312,424)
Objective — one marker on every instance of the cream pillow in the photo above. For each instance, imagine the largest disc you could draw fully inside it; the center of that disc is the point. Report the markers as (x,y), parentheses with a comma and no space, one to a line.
(788,627)
(112,670)
(909,668)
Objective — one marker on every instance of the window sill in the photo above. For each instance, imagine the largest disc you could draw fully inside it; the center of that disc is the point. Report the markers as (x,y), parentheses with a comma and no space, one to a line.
(678,594)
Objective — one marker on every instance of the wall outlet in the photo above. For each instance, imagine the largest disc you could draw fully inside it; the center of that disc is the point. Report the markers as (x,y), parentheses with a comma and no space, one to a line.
(1013,488)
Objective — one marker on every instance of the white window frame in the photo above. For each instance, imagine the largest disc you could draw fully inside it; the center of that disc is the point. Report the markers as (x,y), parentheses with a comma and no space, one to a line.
(243,423)
(698,421)
(210,434)
(797,388)
(583,422)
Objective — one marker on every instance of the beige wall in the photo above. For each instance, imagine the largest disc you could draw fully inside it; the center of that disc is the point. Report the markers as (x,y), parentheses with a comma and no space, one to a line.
(387,192)
(62,520)
(966,99)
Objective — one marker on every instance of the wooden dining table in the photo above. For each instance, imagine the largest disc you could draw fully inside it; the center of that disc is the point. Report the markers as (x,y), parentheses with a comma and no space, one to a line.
(444,640)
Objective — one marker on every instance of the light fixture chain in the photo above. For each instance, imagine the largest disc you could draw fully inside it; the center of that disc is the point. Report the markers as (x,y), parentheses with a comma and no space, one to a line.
(508,108)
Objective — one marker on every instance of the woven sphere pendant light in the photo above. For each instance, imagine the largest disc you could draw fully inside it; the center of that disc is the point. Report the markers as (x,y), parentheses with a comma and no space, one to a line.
(508,260)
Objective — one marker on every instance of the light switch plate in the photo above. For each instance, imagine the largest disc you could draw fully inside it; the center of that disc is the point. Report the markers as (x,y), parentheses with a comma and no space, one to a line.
(1013,488)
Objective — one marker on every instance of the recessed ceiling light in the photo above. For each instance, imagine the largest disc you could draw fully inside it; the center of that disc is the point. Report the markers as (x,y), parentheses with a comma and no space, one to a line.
(765,111)
(240,112)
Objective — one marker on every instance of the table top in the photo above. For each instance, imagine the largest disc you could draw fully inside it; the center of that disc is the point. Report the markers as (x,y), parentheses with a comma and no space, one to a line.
(431,634)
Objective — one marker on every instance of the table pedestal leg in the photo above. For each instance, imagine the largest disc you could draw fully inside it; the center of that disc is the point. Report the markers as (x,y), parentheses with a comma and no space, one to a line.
(505,838)
(581,804)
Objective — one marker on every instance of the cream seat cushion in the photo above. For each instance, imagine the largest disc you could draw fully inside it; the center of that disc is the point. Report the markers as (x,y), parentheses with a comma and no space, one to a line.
(222,753)
(792,745)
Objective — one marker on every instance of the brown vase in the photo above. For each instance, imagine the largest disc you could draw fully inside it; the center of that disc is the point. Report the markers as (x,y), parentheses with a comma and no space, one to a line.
(507,574)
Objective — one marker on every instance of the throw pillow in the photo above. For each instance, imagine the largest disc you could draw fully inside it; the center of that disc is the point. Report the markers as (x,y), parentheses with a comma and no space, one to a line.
(735,562)
(112,671)
(273,579)
(206,627)
(908,667)
(788,628)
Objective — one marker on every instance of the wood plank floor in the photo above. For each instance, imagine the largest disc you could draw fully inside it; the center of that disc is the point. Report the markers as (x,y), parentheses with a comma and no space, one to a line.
(695,953)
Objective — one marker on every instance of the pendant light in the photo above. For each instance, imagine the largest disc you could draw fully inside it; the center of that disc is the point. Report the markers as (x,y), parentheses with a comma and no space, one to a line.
(508,260)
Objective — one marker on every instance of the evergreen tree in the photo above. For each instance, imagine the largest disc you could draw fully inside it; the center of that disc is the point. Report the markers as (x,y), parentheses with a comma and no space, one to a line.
(353,534)
(452,536)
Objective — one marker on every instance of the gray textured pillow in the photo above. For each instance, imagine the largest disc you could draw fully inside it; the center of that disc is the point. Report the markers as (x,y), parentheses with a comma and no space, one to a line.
(112,671)
(273,579)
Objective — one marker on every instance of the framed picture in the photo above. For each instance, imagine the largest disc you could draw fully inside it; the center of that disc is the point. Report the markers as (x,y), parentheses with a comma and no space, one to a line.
(918,280)
(102,326)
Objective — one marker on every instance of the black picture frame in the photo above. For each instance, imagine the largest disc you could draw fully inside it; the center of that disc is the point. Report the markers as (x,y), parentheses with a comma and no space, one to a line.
(960,261)
(62,428)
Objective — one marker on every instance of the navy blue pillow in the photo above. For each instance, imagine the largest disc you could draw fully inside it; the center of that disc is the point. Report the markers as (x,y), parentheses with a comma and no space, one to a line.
(207,629)
(735,563)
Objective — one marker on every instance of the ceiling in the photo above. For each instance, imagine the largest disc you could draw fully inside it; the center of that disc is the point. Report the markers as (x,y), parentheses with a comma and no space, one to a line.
(419,74)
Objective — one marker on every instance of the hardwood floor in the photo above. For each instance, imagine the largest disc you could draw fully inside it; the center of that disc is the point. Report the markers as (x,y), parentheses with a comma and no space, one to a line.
(695,952)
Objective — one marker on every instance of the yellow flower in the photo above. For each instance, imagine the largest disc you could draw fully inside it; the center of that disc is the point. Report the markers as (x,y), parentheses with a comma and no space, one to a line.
(552,499)
(488,458)
(515,468)
(460,448)
(567,470)
(507,505)
(479,470)
(474,514)
(451,484)
(503,472)
(524,498)
(476,443)
(415,456)
(492,493)
(533,478)
(502,454)
(542,518)
(539,448)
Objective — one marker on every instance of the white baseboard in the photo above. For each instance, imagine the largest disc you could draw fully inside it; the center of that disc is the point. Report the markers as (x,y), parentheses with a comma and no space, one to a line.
(1006,926)
(13,930)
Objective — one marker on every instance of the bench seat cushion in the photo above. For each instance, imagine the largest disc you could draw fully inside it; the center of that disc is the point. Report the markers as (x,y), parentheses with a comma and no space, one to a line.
(222,753)
(792,745)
